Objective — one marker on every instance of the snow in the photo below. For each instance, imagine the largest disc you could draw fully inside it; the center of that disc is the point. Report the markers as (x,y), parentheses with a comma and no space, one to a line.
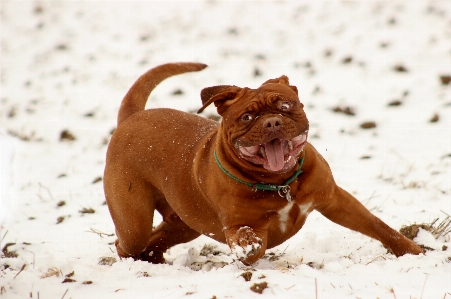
(67,64)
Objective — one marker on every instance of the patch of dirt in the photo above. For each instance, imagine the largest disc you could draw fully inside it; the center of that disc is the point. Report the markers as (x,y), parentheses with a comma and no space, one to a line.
(143,274)
(259,287)
(7,253)
(51,272)
(445,79)
(247,275)
(207,266)
(66,280)
(368,125)
(209,250)
(315,265)
(437,230)
(400,69)
(435,118)
(107,261)
(411,231)
(345,110)
(87,211)
(395,103)
(66,135)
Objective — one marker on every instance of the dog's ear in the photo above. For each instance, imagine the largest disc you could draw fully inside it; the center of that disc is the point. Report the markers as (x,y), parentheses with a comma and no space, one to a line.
(282,80)
(218,95)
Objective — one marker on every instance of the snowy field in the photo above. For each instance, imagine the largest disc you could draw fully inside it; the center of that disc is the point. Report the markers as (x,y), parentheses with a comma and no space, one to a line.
(65,67)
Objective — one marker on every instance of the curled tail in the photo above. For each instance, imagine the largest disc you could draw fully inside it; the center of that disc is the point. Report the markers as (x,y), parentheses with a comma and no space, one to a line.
(136,98)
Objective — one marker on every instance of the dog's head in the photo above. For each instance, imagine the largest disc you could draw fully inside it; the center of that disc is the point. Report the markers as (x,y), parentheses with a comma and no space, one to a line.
(266,126)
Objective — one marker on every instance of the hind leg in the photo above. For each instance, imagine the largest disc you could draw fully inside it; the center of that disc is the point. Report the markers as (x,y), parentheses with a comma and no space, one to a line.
(131,202)
(171,231)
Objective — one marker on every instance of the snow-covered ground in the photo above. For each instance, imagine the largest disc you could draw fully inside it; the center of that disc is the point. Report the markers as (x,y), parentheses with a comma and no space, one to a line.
(65,66)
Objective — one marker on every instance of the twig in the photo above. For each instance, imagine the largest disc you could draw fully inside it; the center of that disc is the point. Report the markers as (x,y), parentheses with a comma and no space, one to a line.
(380,255)
(316,287)
(283,252)
(1,240)
(20,271)
(289,287)
(443,228)
(47,189)
(424,284)
(96,231)
(392,290)
(34,258)
(368,200)
(65,293)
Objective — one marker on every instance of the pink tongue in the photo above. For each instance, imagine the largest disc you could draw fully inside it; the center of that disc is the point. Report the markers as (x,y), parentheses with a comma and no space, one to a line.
(274,154)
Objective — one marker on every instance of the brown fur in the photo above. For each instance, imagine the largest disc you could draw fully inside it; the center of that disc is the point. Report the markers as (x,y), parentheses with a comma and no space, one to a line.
(163,159)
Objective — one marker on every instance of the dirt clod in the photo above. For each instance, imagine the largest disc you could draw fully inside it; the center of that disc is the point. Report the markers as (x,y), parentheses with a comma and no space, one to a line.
(435,118)
(87,211)
(66,135)
(411,231)
(400,68)
(345,110)
(445,79)
(347,60)
(7,253)
(177,92)
(259,287)
(66,280)
(87,282)
(395,103)
(59,219)
(247,275)
(368,125)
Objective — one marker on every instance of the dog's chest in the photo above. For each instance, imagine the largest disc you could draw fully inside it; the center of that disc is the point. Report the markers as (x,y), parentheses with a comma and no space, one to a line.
(290,217)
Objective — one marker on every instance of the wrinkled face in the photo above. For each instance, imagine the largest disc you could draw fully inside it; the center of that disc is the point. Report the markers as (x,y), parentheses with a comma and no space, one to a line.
(267,126)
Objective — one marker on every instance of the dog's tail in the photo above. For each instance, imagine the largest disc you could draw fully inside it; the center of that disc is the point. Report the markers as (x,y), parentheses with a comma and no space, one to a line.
(136,98)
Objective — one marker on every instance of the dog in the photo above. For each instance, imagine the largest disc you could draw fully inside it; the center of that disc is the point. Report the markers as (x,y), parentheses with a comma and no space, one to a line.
(249,181)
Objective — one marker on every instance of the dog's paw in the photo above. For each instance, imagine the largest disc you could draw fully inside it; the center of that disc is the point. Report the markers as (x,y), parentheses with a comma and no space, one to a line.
(246,245)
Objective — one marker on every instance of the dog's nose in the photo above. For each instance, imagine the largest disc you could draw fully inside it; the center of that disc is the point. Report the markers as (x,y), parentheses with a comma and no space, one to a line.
(272,123)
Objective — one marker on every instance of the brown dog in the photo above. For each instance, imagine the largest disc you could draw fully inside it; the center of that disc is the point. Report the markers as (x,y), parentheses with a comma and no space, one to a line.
(249,181)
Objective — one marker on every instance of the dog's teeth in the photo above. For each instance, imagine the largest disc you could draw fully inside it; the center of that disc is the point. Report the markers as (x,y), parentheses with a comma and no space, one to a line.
(262,151)
(290,145)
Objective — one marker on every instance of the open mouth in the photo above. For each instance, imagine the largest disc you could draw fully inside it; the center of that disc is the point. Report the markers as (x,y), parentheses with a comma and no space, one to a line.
(277,155)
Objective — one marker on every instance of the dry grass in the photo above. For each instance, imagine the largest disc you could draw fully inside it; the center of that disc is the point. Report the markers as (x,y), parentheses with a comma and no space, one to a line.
(437,230)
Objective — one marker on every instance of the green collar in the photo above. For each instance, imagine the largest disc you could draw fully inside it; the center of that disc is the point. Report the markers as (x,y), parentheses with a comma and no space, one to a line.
(283,190)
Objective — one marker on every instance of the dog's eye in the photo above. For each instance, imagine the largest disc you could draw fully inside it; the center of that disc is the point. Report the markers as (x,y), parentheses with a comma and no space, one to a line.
(247,117)
(284,106)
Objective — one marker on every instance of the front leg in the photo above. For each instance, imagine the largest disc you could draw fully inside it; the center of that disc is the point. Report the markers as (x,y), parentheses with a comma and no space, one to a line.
(343,209)
(248,245)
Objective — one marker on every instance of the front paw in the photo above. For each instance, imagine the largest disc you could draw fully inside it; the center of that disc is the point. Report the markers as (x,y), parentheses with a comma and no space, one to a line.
(246,245)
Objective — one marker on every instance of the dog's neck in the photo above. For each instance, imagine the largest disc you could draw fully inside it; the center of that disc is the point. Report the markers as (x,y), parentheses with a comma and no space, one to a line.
(246,171)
